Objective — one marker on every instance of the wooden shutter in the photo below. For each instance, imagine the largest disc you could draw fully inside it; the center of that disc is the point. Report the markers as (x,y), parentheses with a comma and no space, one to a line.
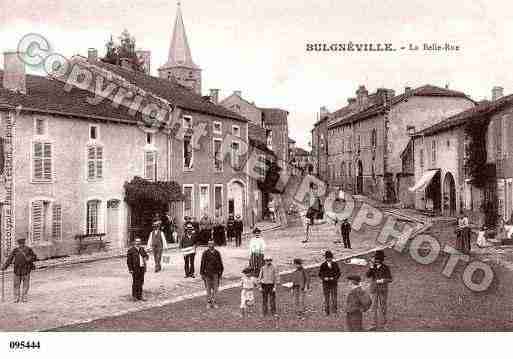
(47,161)
(56,222)
(91,159)
(149,165)
(38,161)
(37,221)
(92,217)
(99,162)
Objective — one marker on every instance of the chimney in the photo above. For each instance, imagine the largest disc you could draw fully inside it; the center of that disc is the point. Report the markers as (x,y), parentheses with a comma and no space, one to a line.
(214,95)
(238,93)
(92,55)
(497,92)
(14,72)
(361,95)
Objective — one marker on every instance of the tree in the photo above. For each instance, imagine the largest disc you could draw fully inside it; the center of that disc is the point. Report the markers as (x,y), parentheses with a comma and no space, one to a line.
(125,50)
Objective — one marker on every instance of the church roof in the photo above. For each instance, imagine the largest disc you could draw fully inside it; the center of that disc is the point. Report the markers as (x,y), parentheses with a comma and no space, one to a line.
(179,50)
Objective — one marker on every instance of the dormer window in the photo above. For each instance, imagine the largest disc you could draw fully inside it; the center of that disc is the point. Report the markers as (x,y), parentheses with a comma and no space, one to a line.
(40,127)
(94,133)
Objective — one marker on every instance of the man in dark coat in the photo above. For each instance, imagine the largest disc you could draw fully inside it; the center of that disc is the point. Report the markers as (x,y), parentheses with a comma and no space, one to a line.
(136,258)
(239,228)
(157,244)
(23,258)
(329,273)
(345,229)
(188,249)
(230,228)
(355,304)
(380,275)
(211,270)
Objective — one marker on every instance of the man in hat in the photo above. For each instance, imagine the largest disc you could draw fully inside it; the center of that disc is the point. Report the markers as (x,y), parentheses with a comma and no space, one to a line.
(256,251)
(211,271)
(345,229)
(157,243)
(239,228)
(269,280)
(136,258)
(188,249)
(23,258)
(356,304)
(380,276)
(230,228)
(329,272)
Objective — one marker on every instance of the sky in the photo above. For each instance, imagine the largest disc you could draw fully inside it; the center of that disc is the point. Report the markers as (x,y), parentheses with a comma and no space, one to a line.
(259,47)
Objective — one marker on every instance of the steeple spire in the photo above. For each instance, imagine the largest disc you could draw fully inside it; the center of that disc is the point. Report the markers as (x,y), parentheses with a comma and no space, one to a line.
(179,50)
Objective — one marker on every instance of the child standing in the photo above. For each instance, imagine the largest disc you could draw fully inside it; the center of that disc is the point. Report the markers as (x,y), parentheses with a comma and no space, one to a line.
(300,284)
(358,301)
(247,297)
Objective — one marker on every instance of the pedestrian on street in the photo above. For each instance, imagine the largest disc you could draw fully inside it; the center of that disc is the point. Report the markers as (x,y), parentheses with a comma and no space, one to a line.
(300,284)
(256,251)
(380,277)
(157,244)
(230,228)
(247,297)
(345,230)
(329,273)
(188,249)
(219,233)
(205,230)
(272,208)
(358,301)
(239,228)
(269,280)
(136,258)
(211,271)
(23,258)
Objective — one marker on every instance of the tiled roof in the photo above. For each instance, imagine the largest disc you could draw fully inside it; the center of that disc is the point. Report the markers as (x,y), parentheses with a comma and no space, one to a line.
(483,109)
(274,116)
(379,106)
(47,95)
(172,92)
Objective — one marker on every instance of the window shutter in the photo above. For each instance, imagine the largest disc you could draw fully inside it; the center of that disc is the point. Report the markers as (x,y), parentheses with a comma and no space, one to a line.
(47,164)
(38,160)
(99,162)
(56,222)
(149,166)
(37,221)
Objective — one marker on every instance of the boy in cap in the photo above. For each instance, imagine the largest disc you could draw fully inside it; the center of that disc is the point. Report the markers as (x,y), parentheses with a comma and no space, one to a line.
(23,258)
(211,271)
(136,258)
(300,284)
(269,280)
(157,243)
(358,301)
(380,276)
(329,273)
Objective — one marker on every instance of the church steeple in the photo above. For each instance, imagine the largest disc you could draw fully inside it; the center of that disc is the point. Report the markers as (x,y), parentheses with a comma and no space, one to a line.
(179,64)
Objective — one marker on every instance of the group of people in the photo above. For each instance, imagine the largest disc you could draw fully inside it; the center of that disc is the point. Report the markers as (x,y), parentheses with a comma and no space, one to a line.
(217,230)
(358,300)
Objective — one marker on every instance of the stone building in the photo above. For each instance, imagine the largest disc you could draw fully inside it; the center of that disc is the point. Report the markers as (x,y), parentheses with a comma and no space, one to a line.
(463,163)
(366,138)
(320,144)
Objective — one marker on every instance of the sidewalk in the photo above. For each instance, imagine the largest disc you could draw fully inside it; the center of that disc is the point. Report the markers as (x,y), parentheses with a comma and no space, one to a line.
(120,252)
(62,295)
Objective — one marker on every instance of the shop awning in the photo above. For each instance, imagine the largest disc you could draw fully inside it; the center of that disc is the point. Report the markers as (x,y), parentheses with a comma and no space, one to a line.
(423,181)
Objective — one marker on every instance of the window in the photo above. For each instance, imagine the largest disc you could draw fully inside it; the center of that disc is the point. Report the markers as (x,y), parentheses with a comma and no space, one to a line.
(187,122)
(217,128)
(150,165)
(40,126)
(374,138)
(433,151)
(42,162)
(188,209)
(218,161)
(343,169)
(448,143)
(218,200)
(235,155)
(93,209)
(269,138)
(349,167)
(187,153)
(261,166)
(236,131)
(93,132)
(421,155)
(204,199)
(94,162)
(46,221)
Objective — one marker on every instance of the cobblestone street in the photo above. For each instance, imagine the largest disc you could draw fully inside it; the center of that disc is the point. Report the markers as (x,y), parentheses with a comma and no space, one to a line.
(63,295)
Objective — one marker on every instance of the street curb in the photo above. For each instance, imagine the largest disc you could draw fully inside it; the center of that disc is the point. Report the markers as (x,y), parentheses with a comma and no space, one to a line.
(115,256)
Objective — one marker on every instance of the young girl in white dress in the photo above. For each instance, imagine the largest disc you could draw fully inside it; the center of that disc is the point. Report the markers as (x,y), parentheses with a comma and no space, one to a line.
(247,297)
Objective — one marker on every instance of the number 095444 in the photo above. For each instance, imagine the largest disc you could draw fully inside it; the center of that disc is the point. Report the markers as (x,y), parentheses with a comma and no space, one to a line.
(22,344)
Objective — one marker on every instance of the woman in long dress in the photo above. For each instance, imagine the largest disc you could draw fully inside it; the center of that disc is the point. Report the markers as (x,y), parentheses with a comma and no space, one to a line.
(256,252)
